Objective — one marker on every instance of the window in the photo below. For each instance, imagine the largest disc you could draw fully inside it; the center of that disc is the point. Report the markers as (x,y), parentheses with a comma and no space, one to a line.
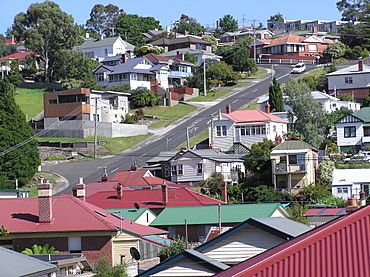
(179,169)
(345,190)
(53,101)
(350,132)
(173,170)
(200,168)
(348,80)
(166,171)
(274,128)
(221,131)
(292,159)
(312,48)
(74,245)
(339,190)
(367,131)
(134,76)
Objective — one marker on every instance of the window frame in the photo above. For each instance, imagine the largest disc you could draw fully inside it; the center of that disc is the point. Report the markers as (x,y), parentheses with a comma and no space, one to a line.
(200,168)
(180,170)
(348,132)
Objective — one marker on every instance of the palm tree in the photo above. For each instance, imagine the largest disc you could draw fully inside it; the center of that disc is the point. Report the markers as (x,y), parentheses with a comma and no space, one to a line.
(40,250)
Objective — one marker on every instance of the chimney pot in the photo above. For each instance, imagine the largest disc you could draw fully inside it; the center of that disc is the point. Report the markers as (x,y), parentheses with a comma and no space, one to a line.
(134,167)
(267,107)
(164,194)
(79,190)
(360,65)
(124,58)
(44,192)
(104,177)
(228,109)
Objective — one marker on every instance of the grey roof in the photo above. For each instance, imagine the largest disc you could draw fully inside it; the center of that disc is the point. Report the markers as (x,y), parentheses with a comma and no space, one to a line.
(16,264)
(189,39)
(353,69)
(92,43)
(350,176)
(157,67)
(111,59)
(162,157)
(216,155)
(127,67)
(293,145)
(205,259)
(284,225)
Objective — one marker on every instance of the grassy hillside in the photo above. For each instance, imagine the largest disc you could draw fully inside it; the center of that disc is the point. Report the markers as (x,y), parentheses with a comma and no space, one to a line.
(30,101)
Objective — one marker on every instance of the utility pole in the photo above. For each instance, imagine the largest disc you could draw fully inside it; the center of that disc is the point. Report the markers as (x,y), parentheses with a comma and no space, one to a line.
(204,78)
(187,137)
(95,125)
(243,19)
(254,39)
(186,234)
(272,73)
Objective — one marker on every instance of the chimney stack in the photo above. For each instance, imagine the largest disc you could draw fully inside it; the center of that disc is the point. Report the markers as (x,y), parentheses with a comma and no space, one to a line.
(44,193)
(352,204)
(119,191)
(164,194)
(134,167)
(360,65)
(224,196)
(228,109)
(362,201)
(104,177)
(79,190)
(124,58)
(267,107)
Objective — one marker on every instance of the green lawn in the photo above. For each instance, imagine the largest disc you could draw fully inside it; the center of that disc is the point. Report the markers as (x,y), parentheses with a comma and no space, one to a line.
(30,101)
(32,186)
(167,115)
(261,73)
(58,139)
(195,140)
(250,106)
(117,145)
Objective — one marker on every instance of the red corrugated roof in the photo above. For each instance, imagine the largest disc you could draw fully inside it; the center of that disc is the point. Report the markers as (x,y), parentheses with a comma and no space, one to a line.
(69,214)
(150,198)
(325,212)
(287,39)
(252,116)
(17,56)
(340,248)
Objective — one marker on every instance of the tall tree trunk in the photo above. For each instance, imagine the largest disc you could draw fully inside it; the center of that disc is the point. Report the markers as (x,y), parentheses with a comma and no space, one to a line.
(46,67)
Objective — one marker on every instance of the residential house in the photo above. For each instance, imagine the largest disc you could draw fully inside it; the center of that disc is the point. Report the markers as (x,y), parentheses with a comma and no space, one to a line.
(251,237)
(353,80)
(353,131)
(294,165)
(329,103)
(338,248)
(72,225)
(201,55)
(73,112)
(151,35)
(320,216)
(231,37)
(245,127)
(350,182)
(155,199)
(19,57)
(99,49)
(190,42)
(143,216)
(292,48)
(198,220)
(194,165)
(14,264)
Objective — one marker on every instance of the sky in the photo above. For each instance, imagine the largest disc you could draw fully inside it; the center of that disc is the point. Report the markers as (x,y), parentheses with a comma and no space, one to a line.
(205,11)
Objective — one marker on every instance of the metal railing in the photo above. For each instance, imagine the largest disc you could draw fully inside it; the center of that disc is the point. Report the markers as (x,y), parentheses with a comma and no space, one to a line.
(296,168)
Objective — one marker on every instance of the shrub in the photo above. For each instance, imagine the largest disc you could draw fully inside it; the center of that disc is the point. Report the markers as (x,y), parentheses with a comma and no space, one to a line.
(142,97)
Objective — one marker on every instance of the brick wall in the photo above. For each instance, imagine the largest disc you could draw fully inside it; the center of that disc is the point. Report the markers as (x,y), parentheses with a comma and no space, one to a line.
(358,93)
(97,247)
(60,244)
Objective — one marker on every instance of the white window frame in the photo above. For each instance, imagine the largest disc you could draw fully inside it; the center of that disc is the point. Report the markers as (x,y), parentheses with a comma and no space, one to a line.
(134,76)
(180,169)
(173,170)
(221,131)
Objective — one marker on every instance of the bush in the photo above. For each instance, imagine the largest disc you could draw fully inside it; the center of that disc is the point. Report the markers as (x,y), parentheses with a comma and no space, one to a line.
(104,269)
(176,247)
(142,97)
(296,212)
(120,88)
(222,72)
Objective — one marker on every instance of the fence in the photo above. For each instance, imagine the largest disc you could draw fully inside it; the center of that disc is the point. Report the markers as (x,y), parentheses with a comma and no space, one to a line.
(285,61)
(79,144)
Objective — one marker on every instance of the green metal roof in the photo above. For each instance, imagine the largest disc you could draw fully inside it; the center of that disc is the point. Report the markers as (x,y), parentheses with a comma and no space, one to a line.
(232,213)
(293,145)
(363,114)
(130,214)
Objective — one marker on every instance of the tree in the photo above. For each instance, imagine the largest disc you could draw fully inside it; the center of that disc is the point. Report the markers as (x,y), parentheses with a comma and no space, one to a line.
(257,161)
(14,77)
(213,40)
(177,246)
(332,118)
(40,250)
(148,48)
(6,49)
(19,156)
(320,194)
(190,25)
(46,30)
(277,18)
(142,97)
(309,114)
(213,183)
(276,100)
(3,231)
(190,58)
(334,51)
(296,212)
(132,27)
(222,72)
(104,269)
(228,24)
(325,172)
(103,19)
(260,194)
(366,102)
(243,63)
(73,67)
(241,47)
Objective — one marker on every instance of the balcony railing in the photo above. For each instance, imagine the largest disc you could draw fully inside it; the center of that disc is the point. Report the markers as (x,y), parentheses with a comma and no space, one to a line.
(179,74)
(292,168)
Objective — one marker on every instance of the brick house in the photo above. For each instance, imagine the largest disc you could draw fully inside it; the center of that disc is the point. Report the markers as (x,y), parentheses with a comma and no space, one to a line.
(72,225)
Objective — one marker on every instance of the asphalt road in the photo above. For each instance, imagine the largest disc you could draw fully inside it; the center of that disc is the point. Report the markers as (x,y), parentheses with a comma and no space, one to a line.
(91,170)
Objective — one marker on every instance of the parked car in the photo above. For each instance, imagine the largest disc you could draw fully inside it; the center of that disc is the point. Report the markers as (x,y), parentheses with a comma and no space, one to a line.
(299,68)
(358,158)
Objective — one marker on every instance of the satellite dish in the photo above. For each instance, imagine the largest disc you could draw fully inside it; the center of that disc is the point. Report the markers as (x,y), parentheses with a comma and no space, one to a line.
(136,205)
(203,191)
(135,253)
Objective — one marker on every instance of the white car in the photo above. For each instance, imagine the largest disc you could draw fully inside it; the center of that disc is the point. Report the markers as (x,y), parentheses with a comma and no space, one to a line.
(299,68)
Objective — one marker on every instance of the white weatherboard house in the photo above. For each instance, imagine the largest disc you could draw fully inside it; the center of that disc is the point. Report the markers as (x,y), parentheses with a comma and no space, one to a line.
(244,127)
(99,49)
(353,131)
(349,182)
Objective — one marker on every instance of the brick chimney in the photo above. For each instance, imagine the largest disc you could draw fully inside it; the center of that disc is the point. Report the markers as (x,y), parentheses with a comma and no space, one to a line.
(228,109)
(314,30)
(351,204)
(224,196)
(360,65)
(44,193)
(134,167)
(164,194)
(267,107)
(362,201)
(119,191)
(104,176)
(79,190)
(124,58)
